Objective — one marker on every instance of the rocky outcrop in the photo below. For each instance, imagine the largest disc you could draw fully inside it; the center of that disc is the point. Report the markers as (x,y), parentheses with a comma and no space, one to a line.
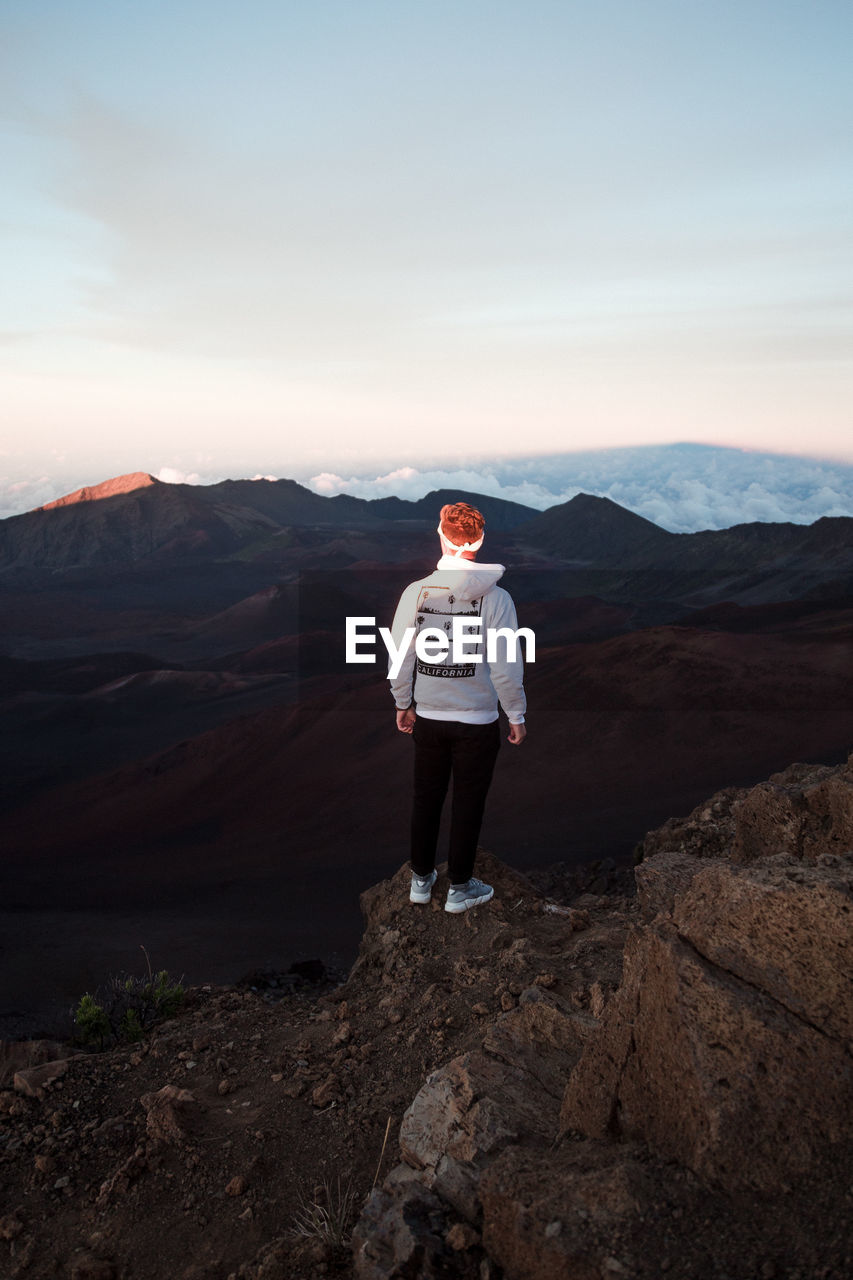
(591,1142)
(728,1046)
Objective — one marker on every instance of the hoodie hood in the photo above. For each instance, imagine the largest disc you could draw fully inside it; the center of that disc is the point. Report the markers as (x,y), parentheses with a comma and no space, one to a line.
(474,580)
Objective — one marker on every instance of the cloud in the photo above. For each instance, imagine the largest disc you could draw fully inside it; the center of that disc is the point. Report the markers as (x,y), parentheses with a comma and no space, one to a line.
(682,488)
(171,475)
(412,484)
(18,495)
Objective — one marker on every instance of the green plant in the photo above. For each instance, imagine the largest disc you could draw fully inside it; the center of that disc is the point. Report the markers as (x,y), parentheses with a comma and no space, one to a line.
(91,1021)
(326,1215)
(131,1027)
(127,1007)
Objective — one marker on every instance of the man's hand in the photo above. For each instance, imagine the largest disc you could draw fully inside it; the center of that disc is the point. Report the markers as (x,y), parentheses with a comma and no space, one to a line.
(406,720)
(517,734)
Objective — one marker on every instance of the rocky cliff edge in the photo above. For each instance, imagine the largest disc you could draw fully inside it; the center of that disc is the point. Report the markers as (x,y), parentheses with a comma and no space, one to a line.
(573,1081)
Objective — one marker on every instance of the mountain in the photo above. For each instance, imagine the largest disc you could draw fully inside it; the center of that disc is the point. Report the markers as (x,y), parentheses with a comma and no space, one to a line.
(126,524)
(108,489)
(135,518)
(620,556)
(596,531)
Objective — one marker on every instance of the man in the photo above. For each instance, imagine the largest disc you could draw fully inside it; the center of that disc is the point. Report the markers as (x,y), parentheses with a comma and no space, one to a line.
(455,726)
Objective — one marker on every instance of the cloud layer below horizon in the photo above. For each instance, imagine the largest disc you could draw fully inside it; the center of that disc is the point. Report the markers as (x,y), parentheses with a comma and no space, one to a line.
(682,488)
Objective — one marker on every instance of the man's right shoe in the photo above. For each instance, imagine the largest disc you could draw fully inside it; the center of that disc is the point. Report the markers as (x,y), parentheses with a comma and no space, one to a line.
(421,890)
(468,895)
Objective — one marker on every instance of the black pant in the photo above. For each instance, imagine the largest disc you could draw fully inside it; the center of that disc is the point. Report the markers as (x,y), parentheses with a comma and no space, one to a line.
(468,751)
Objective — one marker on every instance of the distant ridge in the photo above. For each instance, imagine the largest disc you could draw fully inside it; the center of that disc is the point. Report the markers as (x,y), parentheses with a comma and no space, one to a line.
(595,529)
(136,517)
(108,489)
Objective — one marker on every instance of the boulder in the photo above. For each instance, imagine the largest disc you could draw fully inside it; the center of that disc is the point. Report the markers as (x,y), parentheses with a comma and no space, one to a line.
(172,1114)
(541,1038)
(660,877)
(552,1215)
(786,930)
(803,812)
(464,1114)
(710,1070)
(404,1233)
(31,1081)
(20,1055)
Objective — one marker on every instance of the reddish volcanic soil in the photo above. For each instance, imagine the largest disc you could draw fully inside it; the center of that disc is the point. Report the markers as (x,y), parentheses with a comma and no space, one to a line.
(109,489)
(247,846)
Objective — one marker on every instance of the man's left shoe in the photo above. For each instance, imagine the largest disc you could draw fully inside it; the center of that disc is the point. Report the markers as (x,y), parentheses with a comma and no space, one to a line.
(421,890)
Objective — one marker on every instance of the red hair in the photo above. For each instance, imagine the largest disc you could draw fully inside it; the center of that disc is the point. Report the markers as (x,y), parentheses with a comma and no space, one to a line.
(461,523)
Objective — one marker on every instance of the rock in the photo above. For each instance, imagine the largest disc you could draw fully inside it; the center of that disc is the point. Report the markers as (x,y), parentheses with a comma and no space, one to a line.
(707,832)
(709,1070)
(803,812)
(172,1114)
(294,1088)
(540,1038)
(120,1179)
(327,1092)
(461,1118)
(20,1055)
(727,1045)
(660,877)
(401,1234)
(462,1236)
(790,937)
(31,1080)
(238,1186)
(549,1215)
(597,999)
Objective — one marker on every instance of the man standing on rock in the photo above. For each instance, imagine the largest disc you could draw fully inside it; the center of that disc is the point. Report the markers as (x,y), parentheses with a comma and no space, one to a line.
(447,699)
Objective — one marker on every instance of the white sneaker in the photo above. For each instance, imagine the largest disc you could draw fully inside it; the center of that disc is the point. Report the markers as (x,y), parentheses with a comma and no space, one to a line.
(421,890)
(461,898)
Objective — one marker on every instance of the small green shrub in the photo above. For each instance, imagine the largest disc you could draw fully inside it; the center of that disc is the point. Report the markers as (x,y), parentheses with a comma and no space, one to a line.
(126,1008)
(131,1028)
(91,1021)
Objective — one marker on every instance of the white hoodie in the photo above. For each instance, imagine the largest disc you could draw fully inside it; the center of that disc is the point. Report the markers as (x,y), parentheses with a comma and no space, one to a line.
(466,691)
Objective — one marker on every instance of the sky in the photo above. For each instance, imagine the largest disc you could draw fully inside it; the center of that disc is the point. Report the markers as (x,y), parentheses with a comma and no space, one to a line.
(341,239)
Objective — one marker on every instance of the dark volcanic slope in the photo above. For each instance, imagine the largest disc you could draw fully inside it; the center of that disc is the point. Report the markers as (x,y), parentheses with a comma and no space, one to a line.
(636,721)
(257,835)
(597,531)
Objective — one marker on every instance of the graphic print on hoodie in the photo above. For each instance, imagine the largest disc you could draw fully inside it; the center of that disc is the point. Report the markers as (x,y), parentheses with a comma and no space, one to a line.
(437,607)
